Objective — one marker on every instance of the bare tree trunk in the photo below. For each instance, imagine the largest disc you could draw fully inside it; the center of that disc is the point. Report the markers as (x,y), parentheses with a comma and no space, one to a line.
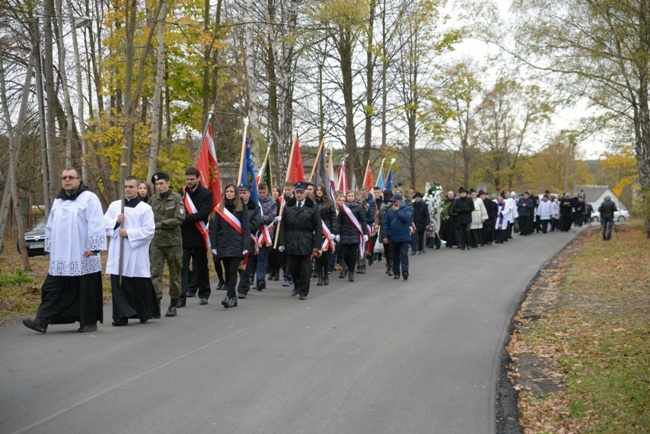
(250,66)
(80,100)
(45,167)
(157,97)
(48,74)
(13,152)
(64,85)
(370,83)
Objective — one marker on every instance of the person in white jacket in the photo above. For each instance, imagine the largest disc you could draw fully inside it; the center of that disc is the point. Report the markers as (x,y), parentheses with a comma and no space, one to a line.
(501,224)
(131,233)
(479,215)
(544,211)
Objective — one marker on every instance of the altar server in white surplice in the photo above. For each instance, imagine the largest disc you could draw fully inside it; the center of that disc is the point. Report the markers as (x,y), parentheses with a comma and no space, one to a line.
(74,237)
(134,295)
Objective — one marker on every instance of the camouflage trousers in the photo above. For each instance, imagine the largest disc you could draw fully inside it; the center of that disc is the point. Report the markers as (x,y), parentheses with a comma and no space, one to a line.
(174,257)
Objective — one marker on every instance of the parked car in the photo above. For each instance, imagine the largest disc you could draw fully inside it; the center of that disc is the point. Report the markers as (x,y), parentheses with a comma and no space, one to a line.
(620,216)
(35,239)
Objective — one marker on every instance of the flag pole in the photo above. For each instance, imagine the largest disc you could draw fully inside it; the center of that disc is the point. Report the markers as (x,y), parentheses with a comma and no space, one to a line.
(365,175)
(266,158)
(286,178)
(243,152)
(205,132)
(320,150)
(123,156)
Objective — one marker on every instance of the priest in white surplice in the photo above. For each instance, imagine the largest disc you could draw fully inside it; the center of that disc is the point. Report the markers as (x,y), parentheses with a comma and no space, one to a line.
(74,236)
(133,295)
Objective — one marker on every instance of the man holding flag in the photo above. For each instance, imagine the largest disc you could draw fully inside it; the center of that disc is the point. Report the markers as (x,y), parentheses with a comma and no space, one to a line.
(196,242)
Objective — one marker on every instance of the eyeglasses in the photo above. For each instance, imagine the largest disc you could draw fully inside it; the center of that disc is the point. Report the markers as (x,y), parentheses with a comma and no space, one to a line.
(65,178)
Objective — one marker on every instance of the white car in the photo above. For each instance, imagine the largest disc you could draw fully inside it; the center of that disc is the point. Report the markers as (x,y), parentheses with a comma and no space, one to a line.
(620,216)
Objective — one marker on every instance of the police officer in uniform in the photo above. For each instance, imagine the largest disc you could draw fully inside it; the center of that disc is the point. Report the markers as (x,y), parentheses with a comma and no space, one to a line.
(169,214)
(300,237)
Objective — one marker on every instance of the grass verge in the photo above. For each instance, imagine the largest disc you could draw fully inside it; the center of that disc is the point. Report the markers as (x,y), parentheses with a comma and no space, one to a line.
(581,347)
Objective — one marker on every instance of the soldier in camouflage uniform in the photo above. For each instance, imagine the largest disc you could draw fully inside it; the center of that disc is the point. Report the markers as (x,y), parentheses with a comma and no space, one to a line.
(169,214)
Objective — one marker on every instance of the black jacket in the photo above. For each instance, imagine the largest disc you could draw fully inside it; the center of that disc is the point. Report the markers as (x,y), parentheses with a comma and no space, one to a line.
(254,220)
(225,238)
(421,216)
(463,207)
(202,198)
(328,216)
(492,209)
(607,209)
(348,231)
(300,228)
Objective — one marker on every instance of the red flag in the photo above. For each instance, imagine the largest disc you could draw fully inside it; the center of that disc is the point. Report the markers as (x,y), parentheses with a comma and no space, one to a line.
(208,165)
(296,171)
(343,179)
(367,179)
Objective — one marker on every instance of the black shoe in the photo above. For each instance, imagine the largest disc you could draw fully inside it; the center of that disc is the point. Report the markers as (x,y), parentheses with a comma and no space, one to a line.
(351,277)
(320,280)
(405,275)
(87,328)
(413,253)
(390,273)
(294,292)
(396,276)
(35,325)
(181,303)
(261,285)
(232,302)
(224,302)
(241,295)
(326,279)
(302,297)
(221,286)
(203,301)
(158,314)
(190,293)
(342,274)
(361,270)
(171,311)
(121,322)
(276,277)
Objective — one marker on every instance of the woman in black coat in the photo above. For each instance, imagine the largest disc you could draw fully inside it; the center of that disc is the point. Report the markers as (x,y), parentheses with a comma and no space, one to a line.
(327,212)
(230,238)
(350,237)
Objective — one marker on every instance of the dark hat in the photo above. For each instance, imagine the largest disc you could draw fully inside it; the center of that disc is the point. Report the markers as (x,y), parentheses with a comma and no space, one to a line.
(300,185)
(462,190)
(417,194)
(480,192)
(397,197)
(159,175)
(244,187)
(388,195)
(471,190)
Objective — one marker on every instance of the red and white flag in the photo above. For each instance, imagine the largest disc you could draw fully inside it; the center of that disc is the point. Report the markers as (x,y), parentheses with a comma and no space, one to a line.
(208,166)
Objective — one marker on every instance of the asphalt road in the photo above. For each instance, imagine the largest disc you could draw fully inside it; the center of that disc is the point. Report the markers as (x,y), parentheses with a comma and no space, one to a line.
(373,356)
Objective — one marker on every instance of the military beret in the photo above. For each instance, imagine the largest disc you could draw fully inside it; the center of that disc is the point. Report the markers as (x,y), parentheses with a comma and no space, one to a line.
(159,175)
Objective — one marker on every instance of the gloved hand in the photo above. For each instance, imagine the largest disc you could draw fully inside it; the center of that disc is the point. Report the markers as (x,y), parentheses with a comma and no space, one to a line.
(332,237)
(278,219)
(280,249)
(365,238)
(337,238)
(214,252)
(244,252)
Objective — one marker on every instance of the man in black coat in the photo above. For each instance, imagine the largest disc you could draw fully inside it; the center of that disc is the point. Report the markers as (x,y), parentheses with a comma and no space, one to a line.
(463,207)
(421,219)
(492,210)
(195,234)
(300,237)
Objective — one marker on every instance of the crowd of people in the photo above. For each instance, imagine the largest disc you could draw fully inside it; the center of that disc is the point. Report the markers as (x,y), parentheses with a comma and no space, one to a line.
(298,233)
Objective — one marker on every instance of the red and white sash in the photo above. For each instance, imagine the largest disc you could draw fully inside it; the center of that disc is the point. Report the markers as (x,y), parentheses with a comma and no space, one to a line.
(356,224)
(230,219)
(264,238)
(328,244)
(204,228)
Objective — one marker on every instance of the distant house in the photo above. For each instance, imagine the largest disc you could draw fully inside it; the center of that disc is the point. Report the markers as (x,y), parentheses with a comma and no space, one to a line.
(595,194)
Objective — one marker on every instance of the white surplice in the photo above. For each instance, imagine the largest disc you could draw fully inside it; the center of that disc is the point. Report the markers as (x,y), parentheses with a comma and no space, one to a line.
(140,227)
(74,227)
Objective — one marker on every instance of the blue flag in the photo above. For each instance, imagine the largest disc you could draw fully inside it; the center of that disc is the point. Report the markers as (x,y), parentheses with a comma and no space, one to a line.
(380,182)
(389,179)
(249,175)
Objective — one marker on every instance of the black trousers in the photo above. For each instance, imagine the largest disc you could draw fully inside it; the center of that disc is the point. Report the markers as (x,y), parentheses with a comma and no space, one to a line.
(67,299)
(200,268)
(230,268)
(300,268)
(350,254)
(464,234)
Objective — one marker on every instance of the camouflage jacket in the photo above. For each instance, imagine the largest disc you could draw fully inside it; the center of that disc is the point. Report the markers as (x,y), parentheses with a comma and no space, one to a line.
(169,214)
